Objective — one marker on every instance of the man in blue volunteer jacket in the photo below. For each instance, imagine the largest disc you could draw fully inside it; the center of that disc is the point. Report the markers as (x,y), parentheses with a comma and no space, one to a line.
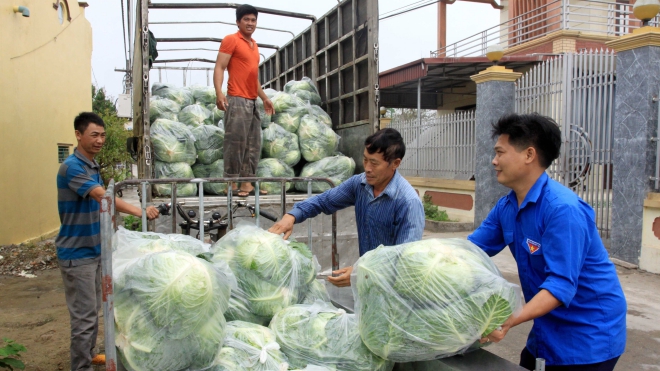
(79,193)
(571,288)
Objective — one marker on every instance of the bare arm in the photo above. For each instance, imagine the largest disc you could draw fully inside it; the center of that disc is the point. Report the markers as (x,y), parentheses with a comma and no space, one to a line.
(541,304)
(268,105)
(123,206)
(219,78)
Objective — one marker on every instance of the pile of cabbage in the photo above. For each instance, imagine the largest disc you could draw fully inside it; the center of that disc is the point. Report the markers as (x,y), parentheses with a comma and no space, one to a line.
(271,273)
(429,299)
(249,347)
(169,303)
(187,133)
(322,335)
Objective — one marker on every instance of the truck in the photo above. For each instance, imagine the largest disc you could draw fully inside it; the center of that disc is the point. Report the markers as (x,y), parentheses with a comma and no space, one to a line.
(339,53)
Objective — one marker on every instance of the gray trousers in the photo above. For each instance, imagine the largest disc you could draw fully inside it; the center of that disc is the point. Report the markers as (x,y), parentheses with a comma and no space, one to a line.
(82,288)
(242,148)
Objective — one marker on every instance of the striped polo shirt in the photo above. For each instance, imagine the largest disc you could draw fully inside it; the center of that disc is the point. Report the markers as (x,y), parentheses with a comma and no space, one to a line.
(396,216)
(79,239)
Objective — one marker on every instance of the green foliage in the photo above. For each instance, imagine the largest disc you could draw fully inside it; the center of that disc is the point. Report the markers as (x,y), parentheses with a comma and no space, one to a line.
(132,223)
(432,212)
(114,151)
(9,355)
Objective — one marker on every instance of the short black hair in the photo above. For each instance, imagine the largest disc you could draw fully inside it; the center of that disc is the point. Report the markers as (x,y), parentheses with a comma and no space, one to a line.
(82,121)
(387,141)
(531,130)
(244,10)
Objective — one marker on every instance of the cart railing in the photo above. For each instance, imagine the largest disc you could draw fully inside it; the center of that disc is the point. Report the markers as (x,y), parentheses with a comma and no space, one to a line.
(108,223)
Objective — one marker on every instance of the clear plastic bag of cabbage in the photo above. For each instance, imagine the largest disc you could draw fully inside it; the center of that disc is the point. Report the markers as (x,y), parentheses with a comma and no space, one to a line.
(316,368)
(209,143)
(280,144)
(270,92)
(216,114)
(212,170)
(161,85)
(303,89)
(316,291)
(169,309)
(336,168)
(429,299)
(173,142)
(271,167)
(195,115)
(182,96)
(321,334)
(163,108)
(289,120)
(316,140)
(249,347)
(179,170)
(265,119)
(271,273)
(203,95)
(283,102)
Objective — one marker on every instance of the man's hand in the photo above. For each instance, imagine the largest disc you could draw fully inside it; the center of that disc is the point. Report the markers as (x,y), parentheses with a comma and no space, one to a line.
(268,107)
(285,225)
(344,277)
(222,104)
(152,212)
(499,333)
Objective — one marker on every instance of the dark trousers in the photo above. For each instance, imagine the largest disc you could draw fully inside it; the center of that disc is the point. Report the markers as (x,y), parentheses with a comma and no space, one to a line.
(242,146)
(528,361)
(82,289)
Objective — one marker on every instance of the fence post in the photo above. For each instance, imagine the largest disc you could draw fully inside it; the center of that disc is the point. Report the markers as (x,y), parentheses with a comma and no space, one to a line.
(635,119)
(496,97)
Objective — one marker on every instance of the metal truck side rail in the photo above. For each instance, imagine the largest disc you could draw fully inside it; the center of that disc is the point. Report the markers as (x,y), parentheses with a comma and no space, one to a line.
(228,6)
(202,39)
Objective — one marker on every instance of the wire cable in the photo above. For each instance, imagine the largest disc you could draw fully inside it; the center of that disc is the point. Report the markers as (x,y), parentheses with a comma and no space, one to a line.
(403,7)
(123,28)
(409,10)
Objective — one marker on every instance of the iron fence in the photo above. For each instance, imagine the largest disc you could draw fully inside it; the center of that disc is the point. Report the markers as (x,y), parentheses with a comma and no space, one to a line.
(441,147)
(577,91)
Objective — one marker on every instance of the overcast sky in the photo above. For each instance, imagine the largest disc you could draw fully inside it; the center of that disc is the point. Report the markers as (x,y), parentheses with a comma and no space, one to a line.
(403,38)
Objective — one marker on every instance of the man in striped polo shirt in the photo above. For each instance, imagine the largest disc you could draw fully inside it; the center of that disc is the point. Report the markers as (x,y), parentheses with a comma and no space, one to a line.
(388,211)
(79,193)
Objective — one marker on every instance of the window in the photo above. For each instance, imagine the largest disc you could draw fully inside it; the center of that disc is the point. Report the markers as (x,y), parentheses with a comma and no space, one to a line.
(60,16)
(62,152)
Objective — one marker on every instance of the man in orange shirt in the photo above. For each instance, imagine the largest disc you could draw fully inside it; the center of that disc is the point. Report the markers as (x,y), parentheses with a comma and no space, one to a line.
(239,55)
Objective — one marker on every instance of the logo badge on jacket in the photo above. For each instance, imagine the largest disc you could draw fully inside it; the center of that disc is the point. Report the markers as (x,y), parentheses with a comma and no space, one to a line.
(533,246)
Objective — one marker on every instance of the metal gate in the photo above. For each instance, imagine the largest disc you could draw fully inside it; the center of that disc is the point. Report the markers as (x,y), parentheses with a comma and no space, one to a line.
(577,91)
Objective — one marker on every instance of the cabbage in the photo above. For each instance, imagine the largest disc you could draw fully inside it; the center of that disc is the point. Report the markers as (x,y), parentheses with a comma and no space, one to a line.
(203,95)
(271,274)
(320,115)
(429,299)
(308,96)
(179,170)
(172,142)
(336,168)
(316,291)
(161,85)
(323,335)
(265,119)
(283,102)
(162,108)
(181,96)
(317,140)
(303,89)
(213,170)
(249,347)
(280,144)
(289,120)
(274,168)
(209,141)
(195,115)
(270,93)
(216,114)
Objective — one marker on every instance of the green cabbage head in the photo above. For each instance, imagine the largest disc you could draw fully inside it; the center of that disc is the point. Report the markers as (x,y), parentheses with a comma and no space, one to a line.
(317,141)
(195,115)
(271,167)
(209,143)
(180,170)
(249,347)
(280,144)
(163,108)
(172,142)
(212,170)
(336,168)
(429,299)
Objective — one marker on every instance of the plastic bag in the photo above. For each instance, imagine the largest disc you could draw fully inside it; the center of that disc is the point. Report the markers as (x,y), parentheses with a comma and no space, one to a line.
(429,299)
(265,119)
(280,144)
(195,115)
(271,273)
(182,96)
(172,142)
(274,168)
(179,170)
(321,334)
(336,168)
(169,304)
(316,291)
(216,114)
(249,347)
(162,108)
(209,143)
(203,95)
(213,170)
(317,140)
(304,89)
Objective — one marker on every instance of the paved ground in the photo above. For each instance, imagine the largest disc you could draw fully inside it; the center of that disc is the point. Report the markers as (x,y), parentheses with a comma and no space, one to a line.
(642,292)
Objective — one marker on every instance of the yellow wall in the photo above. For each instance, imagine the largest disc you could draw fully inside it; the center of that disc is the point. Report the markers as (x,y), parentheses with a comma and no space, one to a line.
(45,81)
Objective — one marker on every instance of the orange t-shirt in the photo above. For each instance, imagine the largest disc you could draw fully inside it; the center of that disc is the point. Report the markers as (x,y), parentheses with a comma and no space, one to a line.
(243,66)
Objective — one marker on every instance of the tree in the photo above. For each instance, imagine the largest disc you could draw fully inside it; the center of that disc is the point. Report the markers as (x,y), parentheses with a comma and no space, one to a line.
(113,157)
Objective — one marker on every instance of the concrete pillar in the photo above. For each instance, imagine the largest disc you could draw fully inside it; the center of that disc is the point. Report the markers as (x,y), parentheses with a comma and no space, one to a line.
(635,123)
(495,98)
